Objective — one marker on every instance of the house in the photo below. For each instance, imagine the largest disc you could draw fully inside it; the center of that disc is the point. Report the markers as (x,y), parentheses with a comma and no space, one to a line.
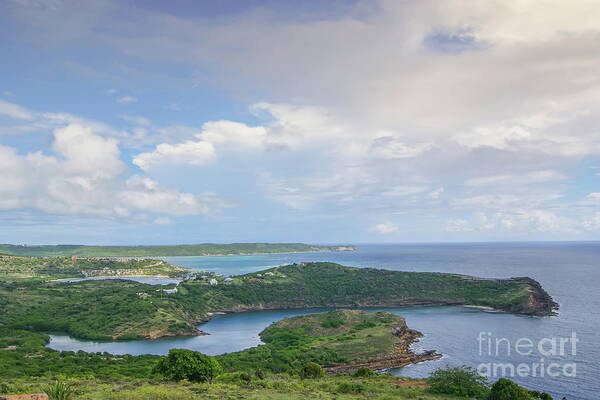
(256,280)
(269,273)
(228,280)
(213,282)
(142,294)
(170,291)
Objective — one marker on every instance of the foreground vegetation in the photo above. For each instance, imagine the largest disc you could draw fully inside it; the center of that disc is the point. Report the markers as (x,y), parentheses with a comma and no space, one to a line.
(249,374)
(205,249)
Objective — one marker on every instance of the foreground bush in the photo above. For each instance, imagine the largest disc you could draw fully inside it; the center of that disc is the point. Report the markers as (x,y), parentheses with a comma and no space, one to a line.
(364,372)
(311,370)
(187,364)
(59,391)
(505,389)
(458,381)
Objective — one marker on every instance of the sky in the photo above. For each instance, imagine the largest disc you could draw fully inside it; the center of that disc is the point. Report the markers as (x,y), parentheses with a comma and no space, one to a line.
(152,122)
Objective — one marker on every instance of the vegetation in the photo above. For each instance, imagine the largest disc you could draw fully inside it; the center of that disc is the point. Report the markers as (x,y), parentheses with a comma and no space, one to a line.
(458,381)
(288,366)
(298,345)
(59,391)
(311,370)
(14,268)
(119,310)
(186,364)
(205,249)
(228,386)
(505,389)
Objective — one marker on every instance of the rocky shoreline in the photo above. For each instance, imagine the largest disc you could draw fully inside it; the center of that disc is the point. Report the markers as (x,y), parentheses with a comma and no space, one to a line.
(400,357)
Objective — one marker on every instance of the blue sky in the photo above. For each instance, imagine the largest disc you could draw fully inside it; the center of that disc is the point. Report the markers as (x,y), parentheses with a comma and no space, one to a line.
(145,122)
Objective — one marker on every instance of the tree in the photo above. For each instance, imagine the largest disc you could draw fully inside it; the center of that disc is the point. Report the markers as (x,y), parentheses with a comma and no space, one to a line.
(458,381)
(187,364)
(505,389)
(311,370)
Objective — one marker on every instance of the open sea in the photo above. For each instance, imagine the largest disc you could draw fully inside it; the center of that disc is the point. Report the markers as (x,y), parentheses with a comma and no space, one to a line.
(531,346)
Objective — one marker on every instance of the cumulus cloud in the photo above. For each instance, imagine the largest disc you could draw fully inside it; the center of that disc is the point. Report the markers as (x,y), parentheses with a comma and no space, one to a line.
(84,177)
(14,110)
(189,152)
(127,99)
(385,228)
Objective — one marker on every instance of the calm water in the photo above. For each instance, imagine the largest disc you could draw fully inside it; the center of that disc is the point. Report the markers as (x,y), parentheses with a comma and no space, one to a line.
(568,271)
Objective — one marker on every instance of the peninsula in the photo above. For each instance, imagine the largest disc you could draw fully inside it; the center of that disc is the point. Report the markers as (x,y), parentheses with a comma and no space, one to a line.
(205,249)
(121,310)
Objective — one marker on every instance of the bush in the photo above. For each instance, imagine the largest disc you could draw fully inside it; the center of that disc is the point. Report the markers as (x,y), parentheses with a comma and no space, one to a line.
(59,391)
(541,395)
(259,373)
(311,370)
(187,364)
(350,387)
(245,377)
(364,372)
(505,389)
(458,381)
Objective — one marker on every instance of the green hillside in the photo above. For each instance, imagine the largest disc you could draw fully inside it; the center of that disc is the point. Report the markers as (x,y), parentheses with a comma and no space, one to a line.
(205,249)
(115,309)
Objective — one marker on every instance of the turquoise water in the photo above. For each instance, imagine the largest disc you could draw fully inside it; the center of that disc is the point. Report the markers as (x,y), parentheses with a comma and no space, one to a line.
(149,280)
(568,271)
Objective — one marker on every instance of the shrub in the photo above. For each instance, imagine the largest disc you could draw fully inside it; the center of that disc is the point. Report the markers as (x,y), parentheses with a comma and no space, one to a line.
(458,381)
(364,372)
(505,389)
(245,377)
(259,373)
(187,364)
(350,387)
(311,370)
(540,395)
(59,391)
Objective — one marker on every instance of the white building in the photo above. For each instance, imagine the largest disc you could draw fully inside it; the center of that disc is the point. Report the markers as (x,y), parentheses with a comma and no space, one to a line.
(228,280)
(213,282)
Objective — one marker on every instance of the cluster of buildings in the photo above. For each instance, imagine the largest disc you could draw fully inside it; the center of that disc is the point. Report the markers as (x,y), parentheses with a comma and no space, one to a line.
(113,259)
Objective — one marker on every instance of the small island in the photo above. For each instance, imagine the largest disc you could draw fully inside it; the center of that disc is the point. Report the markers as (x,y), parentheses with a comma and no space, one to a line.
(345,340)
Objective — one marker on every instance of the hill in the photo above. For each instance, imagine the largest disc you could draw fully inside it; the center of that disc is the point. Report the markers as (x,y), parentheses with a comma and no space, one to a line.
(205,249)
(115,309)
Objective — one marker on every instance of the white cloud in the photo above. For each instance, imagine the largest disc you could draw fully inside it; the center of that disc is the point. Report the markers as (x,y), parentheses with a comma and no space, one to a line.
(385,228)
(84,178)
(436,194)
(142,193)
(14,111)
(520,179)
(110,91)
(190,152)
(127,99)
(162,221)
(143,121)
(593,223)
(458,225)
